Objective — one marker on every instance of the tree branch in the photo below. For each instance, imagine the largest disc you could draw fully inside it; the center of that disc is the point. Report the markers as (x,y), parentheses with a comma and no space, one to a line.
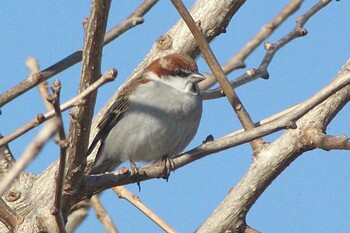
(56,208)
(29,154)
(274,158)
(122,192)
(102,215)
(76,215)
(108,76)
(6,159)
(318,139)
(237,61)
(271,50)
(80,124)
(33,66)
(7,216)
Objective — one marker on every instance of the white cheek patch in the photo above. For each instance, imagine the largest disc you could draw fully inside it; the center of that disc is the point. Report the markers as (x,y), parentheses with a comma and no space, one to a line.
(180,84)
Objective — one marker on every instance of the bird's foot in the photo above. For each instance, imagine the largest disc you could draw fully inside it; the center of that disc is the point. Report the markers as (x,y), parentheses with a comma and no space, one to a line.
(209,138)
(137,172)
(169,166)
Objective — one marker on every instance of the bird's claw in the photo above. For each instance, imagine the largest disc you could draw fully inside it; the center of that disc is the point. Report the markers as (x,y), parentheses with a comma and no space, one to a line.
(137,172)
(169,166)
(209,138)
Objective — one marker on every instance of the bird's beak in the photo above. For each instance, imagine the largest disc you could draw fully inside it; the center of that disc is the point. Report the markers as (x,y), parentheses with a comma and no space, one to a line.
(195,78)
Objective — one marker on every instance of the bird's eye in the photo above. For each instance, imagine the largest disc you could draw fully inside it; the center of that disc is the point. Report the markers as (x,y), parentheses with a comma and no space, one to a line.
(181,73)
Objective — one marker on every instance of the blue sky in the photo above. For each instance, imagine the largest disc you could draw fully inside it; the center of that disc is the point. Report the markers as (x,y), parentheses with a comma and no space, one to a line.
(310,196)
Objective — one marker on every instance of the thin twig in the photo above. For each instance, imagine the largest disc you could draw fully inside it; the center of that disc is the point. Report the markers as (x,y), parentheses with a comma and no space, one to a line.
(142,9)
(81,116)
(133,20)
(122,192)
(271,49)
(29,154)
(56,208)
(237,61)
(102,215)
(108,76)
(211,60)
(33,66)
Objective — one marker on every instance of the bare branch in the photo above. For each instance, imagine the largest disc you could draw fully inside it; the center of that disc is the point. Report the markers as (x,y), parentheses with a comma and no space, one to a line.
(33,66)
(102,215)
(211,60)
(33,80)
(108,76)
(143,8)
(318,139)
(77,214)
(298,31)
(29,154)
(237,61)
(275,157)
(271,50)
(80,124)
(122,192)
(56,208)
(7,216)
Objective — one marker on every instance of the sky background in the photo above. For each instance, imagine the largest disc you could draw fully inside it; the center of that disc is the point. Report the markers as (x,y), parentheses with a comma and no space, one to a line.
(311,195)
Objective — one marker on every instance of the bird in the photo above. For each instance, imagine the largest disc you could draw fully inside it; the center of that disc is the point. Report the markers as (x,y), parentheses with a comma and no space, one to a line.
(154,116)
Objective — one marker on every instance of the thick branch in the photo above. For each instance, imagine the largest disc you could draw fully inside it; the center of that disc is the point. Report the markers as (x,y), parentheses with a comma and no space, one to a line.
(80,124)
(7,216)
(273,159)
(318,139)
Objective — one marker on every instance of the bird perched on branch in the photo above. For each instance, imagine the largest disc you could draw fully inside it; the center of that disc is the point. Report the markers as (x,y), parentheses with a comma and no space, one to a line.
(156,115)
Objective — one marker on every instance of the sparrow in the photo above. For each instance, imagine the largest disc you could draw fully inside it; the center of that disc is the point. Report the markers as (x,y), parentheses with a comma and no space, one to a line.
(155,116)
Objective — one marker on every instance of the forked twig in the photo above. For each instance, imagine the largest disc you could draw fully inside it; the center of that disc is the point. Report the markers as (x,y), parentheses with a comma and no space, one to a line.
(271,50)
(237,61)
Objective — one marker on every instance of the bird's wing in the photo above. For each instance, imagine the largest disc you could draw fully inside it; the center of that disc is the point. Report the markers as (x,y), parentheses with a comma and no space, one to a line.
(110,119)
